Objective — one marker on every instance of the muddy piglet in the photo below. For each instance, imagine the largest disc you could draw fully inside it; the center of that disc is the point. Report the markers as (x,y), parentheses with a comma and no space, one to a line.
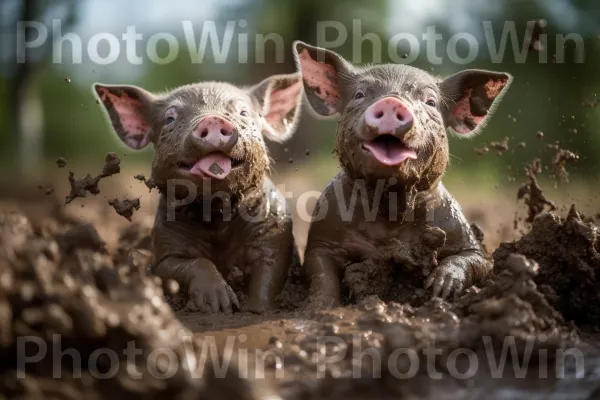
(392,145)
(217,210)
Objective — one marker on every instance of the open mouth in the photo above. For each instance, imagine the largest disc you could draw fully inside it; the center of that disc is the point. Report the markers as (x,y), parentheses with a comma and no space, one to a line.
(214,165)
(389,150)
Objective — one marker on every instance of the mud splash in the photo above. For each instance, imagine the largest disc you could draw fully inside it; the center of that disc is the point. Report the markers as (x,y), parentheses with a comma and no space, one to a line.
(88,184)
(64,293)
(542,295)
(567,250)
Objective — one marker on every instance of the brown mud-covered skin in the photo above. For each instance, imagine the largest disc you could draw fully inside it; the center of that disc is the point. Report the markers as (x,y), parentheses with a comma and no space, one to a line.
(218,211)
(406,180)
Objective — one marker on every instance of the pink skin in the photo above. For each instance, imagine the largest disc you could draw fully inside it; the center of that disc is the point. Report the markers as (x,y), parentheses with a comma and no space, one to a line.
(133,126)
(389,116)
(462,111)
(213,131)
(320,75)
(282,102)
(494,87)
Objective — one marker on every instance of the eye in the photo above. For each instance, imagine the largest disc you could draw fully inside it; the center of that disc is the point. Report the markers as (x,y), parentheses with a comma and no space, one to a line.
(359,95)
(431,103)
(244,113)
(170,115)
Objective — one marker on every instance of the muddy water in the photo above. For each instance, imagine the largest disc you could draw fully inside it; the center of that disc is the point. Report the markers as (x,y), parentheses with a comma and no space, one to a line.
(318,357)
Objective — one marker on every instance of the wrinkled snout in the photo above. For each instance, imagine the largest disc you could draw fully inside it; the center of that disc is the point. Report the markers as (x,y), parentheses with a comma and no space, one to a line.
(389,116)
(214,132)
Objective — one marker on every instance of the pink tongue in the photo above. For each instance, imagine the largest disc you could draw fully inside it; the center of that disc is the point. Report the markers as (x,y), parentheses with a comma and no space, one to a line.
(215,165)
(390,154)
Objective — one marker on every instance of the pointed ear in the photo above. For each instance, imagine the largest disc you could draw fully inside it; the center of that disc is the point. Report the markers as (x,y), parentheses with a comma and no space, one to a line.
(128,109)
(279,99)
(323,73)
(472,97)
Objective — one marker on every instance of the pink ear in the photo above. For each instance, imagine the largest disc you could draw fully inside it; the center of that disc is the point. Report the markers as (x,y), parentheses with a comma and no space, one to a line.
(321,83)
(282,102)
(476,95)
(127,109)
(465,120)
(278,99)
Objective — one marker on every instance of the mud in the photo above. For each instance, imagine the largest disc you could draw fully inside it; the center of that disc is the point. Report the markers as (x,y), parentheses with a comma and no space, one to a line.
(60,277)
(149,182)
(501,147)
(64,293)
(88,184)
(561,159)
(61,162)
(481,151)
(396,274)
(567,250)
(125,208)
(532,194)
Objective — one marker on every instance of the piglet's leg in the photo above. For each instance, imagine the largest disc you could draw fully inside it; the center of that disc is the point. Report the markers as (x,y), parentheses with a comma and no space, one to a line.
(324,277)
(207,290)
(457,272)
(269,259)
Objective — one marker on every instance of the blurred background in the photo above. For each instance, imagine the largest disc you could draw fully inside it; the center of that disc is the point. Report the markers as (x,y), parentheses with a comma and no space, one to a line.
(47,109)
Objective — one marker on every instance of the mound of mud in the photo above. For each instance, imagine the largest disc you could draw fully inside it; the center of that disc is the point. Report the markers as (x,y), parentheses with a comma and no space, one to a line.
(397,273)
(567,250)
(372,349)
(78,323)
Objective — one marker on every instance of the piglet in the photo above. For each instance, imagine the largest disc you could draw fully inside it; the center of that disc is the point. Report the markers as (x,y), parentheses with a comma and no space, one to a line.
(392,145)
(217,208)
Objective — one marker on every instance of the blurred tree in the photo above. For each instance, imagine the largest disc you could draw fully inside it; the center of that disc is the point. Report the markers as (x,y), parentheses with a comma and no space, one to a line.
(26,122)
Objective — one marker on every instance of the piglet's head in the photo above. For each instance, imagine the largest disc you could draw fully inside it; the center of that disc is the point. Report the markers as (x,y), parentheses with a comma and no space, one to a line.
(206,132)
(395,118)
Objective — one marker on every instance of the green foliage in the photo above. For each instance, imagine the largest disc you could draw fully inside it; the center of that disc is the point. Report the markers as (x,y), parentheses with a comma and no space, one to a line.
(544,97)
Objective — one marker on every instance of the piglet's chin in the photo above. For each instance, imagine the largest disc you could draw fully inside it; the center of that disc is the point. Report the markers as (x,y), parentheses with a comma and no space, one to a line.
(214,165)
(389,153)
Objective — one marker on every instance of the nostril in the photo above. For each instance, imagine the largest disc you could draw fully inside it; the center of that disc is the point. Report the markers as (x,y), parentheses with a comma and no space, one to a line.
(400,116)
(379,114)
(204,133)
(225,132)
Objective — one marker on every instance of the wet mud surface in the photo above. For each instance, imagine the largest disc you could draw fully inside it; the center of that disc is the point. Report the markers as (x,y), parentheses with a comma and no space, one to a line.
(392,340)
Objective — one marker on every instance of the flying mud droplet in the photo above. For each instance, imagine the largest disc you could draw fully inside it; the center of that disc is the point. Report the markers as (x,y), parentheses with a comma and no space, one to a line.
(125,208)
(88,184)
(81,187)
(561,159)
(48,190)
(61,162)
(112,165)
(150,184)
(501,147)
(532,193)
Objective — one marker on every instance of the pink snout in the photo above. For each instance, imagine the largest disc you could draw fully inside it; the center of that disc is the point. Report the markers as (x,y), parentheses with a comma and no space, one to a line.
(389,116)
(214,130)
